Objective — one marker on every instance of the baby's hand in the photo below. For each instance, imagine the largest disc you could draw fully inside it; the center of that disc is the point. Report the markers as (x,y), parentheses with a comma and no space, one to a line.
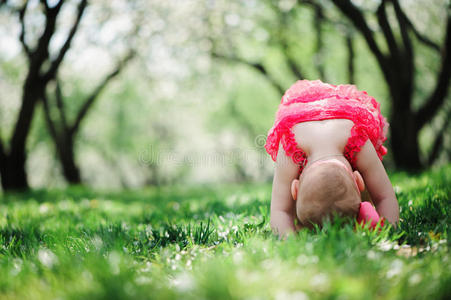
(369,215)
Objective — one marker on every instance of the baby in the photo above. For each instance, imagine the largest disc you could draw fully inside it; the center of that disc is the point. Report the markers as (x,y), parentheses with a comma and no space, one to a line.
(327,145)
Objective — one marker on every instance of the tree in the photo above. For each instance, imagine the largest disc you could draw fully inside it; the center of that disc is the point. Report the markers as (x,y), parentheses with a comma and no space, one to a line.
(42,68)
(396,63)
(63,133)
(282,39)
(398,68)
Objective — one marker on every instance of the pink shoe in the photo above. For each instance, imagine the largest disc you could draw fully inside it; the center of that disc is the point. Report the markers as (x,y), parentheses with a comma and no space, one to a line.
(369,215)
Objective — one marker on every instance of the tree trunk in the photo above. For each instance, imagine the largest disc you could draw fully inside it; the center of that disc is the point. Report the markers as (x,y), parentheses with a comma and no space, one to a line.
(13,174)
(66,155)
(403,128)
(404,141)
(397,64)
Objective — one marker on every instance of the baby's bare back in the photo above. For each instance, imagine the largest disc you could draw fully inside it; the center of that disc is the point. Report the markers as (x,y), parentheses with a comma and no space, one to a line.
(322,136)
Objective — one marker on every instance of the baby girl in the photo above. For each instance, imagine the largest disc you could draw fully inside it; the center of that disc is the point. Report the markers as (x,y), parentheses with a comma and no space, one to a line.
(327,145)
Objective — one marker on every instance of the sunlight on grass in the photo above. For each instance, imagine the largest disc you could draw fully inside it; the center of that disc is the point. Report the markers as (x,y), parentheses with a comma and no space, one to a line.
(215,242)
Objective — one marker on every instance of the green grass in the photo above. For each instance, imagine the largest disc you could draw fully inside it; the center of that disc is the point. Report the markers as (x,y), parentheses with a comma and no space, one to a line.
(214,242)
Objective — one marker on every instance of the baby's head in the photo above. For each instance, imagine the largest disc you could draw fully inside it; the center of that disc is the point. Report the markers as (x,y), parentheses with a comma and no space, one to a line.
(326,188)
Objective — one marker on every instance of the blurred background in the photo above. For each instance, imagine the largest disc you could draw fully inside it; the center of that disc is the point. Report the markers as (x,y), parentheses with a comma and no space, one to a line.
(123,94)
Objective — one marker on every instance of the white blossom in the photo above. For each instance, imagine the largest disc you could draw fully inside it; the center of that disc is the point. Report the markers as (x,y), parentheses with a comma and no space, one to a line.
(47,257)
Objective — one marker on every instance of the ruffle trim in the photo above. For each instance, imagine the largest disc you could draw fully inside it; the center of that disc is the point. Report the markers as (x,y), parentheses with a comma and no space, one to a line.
(365,114)
(313,90)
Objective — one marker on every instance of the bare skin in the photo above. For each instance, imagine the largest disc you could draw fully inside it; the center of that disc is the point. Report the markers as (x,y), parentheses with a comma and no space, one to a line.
(327,139)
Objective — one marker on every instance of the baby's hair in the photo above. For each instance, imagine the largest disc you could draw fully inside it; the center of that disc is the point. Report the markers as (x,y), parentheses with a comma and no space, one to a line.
(326,190)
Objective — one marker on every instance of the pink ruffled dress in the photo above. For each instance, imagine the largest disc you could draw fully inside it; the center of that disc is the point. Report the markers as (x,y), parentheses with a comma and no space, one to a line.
(313,101)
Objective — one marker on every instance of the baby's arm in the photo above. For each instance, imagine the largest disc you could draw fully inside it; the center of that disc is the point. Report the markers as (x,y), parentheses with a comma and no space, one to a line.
(378,183)
(283,211)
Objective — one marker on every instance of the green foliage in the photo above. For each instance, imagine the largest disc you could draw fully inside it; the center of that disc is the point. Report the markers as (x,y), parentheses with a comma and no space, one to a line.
(214,242)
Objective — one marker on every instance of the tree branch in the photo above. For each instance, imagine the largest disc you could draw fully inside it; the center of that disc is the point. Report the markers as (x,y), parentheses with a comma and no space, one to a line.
(46,5)
(41,52)
(56,8)
(351,54)
(403,26)
(258,66)
(357,18)
(292,64)
(437,97)
(22,11)
(312,3)
(438,142)
(60,105)
(48,119)
(57,61)
(319,55)
(94,95)
(425,40)
(33,87)
(388,33)
(2,154)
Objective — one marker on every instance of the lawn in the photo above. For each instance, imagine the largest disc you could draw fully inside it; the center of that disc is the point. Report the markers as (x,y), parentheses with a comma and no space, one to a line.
(214,242)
